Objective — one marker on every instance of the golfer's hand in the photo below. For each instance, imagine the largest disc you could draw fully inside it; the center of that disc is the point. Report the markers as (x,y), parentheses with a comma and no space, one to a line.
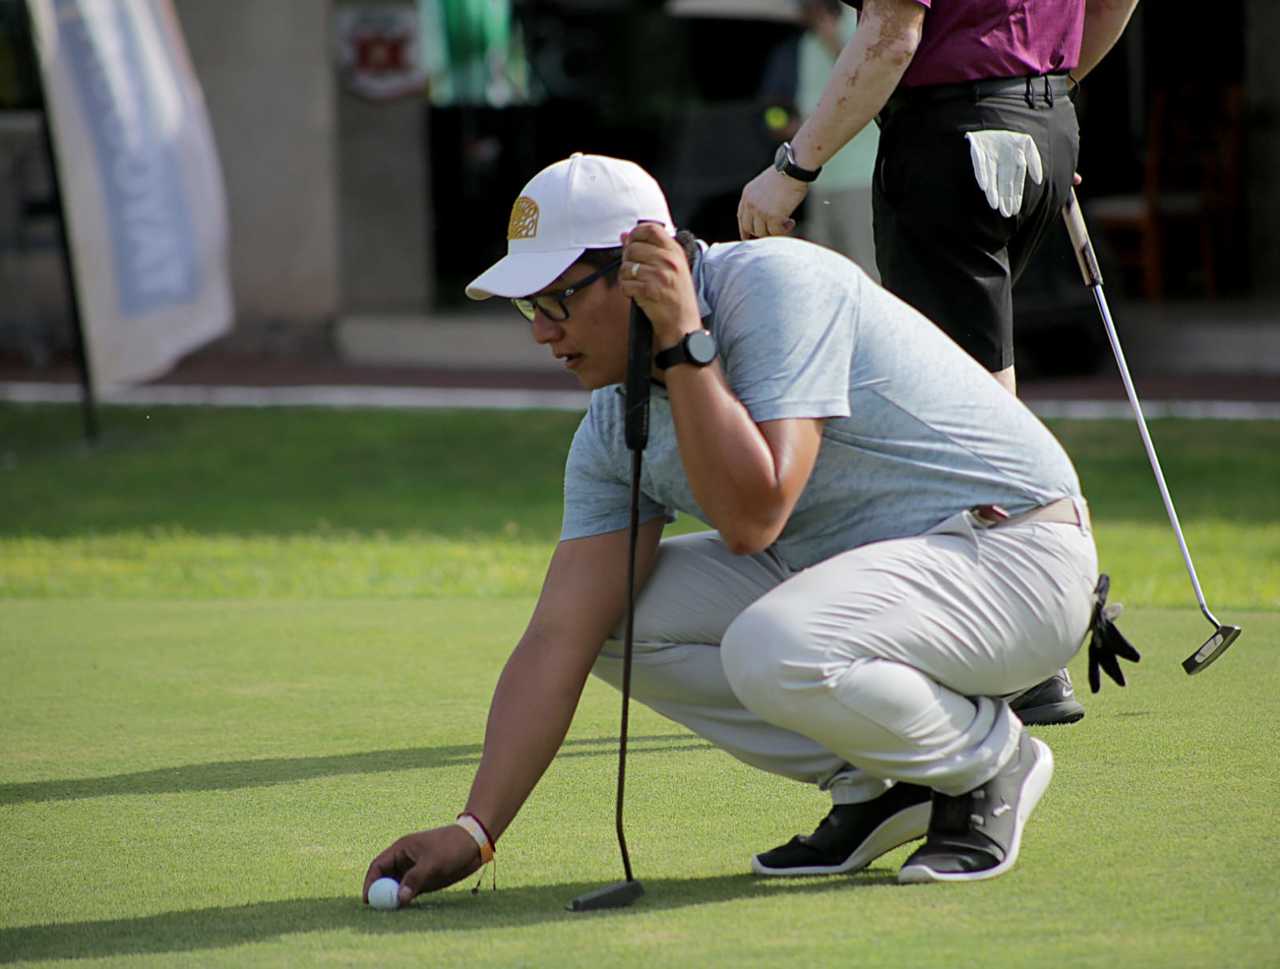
(425,861)
(767,203)
(655,273)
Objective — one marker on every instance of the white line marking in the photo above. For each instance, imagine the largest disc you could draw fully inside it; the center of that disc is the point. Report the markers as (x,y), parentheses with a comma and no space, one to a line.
(1196,410)
(396,397)
(568,400)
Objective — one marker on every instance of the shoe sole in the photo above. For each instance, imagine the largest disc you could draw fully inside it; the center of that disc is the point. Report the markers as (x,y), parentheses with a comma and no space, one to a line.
(909,824)
(1033,789)
(1051,714)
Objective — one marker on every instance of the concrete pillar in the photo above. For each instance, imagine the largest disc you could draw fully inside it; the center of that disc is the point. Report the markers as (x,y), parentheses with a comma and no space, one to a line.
(268,77)
(386,262)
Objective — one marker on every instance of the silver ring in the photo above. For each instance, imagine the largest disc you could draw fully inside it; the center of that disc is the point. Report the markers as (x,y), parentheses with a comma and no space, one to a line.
(635,270)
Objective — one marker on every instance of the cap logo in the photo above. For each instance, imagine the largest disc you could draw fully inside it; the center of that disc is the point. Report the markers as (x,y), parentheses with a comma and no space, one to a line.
(524,219)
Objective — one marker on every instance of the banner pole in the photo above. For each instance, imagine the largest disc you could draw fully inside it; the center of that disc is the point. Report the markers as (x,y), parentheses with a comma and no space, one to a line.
(88,400)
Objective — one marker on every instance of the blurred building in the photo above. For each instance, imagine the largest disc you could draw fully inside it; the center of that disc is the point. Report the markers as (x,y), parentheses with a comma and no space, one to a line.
(371,148)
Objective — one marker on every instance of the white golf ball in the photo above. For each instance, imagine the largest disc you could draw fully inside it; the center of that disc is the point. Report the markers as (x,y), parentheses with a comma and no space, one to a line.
(385,894)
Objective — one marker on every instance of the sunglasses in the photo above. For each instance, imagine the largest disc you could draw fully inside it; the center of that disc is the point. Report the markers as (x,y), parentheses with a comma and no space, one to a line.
(552,305)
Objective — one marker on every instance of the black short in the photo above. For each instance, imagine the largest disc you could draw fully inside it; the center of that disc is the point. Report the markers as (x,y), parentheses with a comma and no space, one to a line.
(939,245)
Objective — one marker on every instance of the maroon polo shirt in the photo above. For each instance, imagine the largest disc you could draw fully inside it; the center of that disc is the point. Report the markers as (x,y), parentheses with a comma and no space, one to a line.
(969,40)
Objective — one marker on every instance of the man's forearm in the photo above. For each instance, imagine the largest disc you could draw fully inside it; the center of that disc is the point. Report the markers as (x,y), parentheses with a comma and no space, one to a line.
(582,601)
(746,476)
(866,73)
(532,708)
(731,470)
(1104,22)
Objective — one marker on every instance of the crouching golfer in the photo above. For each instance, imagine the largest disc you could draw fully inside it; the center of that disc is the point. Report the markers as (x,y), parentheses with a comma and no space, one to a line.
(898,542)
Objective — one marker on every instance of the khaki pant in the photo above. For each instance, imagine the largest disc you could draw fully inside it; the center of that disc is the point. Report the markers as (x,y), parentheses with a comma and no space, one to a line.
(884,663)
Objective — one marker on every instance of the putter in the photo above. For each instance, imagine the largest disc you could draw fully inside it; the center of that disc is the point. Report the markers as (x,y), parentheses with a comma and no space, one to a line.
(639,364)
(1223,635)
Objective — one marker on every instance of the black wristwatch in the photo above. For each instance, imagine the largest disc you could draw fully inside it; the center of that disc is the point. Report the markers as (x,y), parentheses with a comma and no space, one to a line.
(697,348)
(785,162)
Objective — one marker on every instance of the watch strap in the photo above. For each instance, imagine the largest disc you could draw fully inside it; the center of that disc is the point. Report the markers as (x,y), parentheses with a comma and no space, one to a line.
(789,167)
(671,356)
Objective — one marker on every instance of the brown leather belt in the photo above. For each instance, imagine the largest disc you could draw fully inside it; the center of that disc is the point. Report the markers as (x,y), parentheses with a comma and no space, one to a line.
(1064,511)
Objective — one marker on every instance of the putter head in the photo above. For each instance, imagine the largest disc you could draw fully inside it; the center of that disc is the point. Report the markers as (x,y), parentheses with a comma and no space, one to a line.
(1214,647)
(617,895)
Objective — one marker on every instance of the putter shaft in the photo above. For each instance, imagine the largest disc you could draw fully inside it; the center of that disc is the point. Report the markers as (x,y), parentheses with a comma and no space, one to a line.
(628,647)
(1101,299)
(1223,636)
(636,429)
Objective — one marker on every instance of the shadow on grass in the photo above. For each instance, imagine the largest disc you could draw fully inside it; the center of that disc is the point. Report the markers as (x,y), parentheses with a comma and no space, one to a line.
(236,774)
(454,911)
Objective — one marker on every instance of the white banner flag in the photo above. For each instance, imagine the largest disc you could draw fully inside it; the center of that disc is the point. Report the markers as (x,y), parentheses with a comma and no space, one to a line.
(140,182)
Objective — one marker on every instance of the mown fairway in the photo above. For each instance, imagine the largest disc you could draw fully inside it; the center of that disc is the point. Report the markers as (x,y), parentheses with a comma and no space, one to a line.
(242,651)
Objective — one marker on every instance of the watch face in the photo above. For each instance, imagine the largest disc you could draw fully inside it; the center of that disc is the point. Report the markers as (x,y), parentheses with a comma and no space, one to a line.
(701,347)
(780,158)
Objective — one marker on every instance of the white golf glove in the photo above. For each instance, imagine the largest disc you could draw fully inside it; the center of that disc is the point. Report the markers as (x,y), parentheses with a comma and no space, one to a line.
(1002,160)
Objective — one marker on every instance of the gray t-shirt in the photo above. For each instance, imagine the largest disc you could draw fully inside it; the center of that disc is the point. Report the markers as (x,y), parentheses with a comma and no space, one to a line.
(915,429)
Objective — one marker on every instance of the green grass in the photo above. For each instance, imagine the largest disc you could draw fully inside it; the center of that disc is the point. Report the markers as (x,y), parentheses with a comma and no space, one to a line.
(203,783)
(358,504)
(241,652)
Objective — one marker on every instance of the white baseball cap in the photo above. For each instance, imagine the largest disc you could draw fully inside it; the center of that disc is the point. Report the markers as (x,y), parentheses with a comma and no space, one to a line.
(583,202)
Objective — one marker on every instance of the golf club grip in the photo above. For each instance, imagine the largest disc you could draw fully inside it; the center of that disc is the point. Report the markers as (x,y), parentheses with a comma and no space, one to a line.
(639,365)
(1080,241)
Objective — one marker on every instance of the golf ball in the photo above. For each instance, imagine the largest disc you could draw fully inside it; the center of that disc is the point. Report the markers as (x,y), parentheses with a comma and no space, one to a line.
(385,894)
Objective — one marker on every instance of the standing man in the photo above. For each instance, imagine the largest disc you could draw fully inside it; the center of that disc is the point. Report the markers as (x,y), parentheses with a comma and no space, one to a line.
(978,147)
(897,541)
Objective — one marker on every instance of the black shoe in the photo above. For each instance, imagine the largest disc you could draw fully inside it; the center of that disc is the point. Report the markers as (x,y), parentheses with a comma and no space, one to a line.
(977,835)
(1051,702)
(852,835)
